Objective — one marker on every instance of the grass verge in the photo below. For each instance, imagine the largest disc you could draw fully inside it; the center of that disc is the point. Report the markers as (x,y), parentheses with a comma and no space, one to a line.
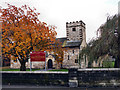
(65,70)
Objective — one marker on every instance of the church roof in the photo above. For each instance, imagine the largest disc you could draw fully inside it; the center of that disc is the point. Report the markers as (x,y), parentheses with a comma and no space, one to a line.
(73,44)
(65,43)
(62,39)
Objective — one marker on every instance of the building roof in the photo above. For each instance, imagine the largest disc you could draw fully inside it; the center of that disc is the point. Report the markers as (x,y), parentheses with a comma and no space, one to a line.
(62,39)
(70,44)
(73,44)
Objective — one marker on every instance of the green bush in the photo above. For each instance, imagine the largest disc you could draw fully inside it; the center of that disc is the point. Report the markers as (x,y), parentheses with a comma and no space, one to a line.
(108,64)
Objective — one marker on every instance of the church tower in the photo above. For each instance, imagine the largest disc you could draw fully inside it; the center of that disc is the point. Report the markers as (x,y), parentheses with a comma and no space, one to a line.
(76,31)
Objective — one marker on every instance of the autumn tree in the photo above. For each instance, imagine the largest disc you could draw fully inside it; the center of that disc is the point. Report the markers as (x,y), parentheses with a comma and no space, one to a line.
(23,32)
(58,52)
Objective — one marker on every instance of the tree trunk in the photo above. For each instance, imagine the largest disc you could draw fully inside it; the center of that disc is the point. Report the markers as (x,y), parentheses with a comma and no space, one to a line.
(61,67)
(117,63)
(23,67)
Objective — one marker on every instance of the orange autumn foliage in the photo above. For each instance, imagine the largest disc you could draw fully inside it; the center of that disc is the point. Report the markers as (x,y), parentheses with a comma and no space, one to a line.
(58,50)
(23,32)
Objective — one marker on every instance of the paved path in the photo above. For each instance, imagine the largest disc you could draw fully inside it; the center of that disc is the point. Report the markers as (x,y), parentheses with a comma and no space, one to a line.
(7,67)
(28,87)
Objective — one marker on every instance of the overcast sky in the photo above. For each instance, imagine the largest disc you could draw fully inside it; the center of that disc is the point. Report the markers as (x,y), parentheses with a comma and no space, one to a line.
(57,12)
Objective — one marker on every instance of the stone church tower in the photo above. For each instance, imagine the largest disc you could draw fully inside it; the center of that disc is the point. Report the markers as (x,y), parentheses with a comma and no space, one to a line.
(76,31)
(76,40)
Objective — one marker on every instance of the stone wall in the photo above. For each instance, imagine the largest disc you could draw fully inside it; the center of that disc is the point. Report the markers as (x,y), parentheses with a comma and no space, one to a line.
(41,64)
(38,78)
(17,64)
(109,77)
(70,56)
(101,59)
(84,62)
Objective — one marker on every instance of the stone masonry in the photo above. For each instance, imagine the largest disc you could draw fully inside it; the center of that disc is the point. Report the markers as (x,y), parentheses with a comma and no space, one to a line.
(76,36)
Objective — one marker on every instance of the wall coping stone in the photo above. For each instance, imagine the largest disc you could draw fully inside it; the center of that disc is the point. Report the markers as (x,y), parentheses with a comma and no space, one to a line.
(99,69)
(76,67)
(41,72)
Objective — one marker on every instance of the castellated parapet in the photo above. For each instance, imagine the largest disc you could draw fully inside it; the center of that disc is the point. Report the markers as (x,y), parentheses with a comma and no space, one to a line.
(76,31)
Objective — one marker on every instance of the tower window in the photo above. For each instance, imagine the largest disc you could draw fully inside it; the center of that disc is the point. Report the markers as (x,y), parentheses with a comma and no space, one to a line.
(73,29)
(73,51)
(68,57)
(76,60)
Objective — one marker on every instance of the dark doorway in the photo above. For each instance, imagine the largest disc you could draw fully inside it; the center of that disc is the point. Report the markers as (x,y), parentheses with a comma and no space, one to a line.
(50,64)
